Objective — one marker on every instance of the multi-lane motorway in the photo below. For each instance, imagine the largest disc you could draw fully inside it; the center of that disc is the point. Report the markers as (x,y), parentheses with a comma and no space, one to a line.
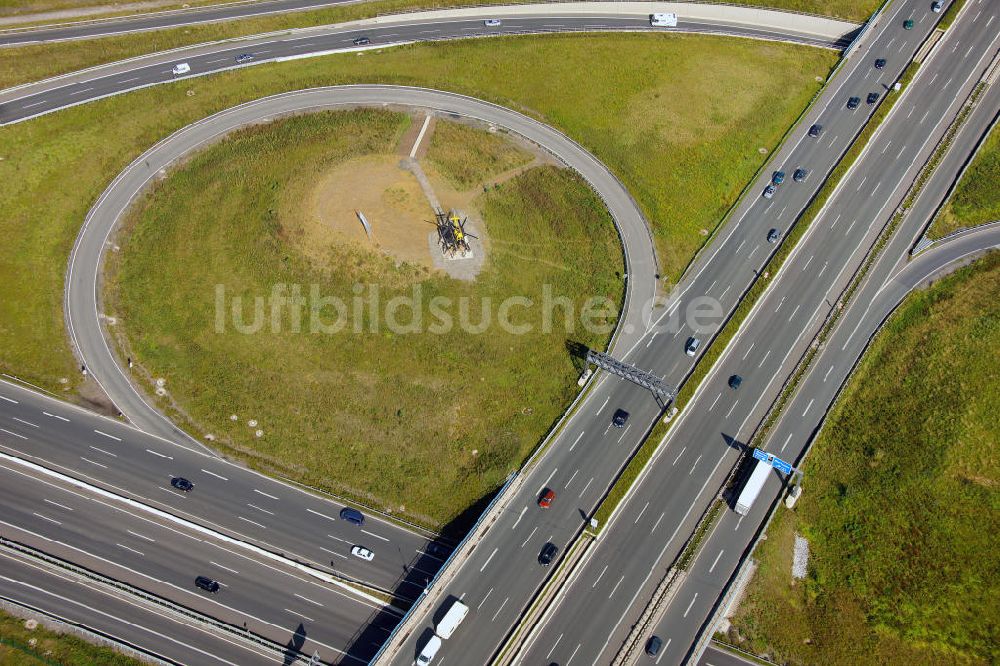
(227,497)
(229,11)
(164,557)
(703,446)
(34,99)
(887,282)
(502,574)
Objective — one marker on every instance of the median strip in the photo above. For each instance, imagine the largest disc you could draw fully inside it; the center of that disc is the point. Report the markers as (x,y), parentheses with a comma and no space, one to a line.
(720,343)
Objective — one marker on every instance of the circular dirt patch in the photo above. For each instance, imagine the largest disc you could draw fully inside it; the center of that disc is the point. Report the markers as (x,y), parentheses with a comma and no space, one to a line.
(390,199)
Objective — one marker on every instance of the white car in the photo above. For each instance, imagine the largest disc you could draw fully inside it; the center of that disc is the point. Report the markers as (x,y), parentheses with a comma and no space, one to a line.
(363,553)
(493,23)
(181,68)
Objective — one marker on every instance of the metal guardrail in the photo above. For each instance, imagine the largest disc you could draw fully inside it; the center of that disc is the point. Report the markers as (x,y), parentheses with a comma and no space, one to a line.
(454,553)
(705,635)
(477,5)
(163,603)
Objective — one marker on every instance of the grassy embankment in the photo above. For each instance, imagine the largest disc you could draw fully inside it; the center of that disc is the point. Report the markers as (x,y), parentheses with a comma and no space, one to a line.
(976,199)
(34,62)
(419,423)
(469,157)
(678,118)
(51,648)
(685,151)
(901,503)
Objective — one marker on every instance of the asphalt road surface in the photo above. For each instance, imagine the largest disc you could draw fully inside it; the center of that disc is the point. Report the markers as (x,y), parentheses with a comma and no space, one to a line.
(715,656)
(227,497)
(85,322)
(158,21)
(888,281)
(124,460)
(163,558)
(502,574)
(702,448)
(723,271)
(233,11)
(56,593)
(35,99)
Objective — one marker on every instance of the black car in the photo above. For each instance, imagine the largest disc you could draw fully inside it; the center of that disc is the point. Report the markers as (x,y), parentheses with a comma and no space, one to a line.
(735,381)
(361,41)
(352,516)
(653,646)
(180,483)
(207,584)
(853,102)
(244,58)
(800,175)
(880,63)
(548,554)
(872,98)
(772,236)
(815,131)
(434,549)
(620,418)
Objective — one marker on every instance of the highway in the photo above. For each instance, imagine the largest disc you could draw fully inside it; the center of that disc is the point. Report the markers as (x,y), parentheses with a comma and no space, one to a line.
(138,464)
(588,451)
(227,497)
(89,29)
(887,283)
(233,11)
(57,593)
(30,100)
(163,558)
(703,446)
(501,575)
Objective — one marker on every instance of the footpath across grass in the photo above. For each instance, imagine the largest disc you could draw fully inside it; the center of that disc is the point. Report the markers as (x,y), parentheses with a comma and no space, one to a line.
(976,199)
(417,418)
(679,118)
(901,501)
(21,646)
(467,157)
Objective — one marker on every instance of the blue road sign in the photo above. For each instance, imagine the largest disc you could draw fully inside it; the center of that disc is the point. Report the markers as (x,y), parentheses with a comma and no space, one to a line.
(773,461)
(781,466)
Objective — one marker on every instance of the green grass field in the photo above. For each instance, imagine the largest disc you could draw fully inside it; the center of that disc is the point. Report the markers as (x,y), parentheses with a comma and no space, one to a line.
(976,199)
(417,423)
(901,503)
(466,157)
(685,144)
(51,648)
(34,62)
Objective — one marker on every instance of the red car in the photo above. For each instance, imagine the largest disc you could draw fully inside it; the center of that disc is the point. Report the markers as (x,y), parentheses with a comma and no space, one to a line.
(545,501)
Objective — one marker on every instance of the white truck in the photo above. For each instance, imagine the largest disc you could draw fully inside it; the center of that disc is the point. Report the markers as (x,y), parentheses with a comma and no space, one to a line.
(663,20)
(752,487)
(449,623)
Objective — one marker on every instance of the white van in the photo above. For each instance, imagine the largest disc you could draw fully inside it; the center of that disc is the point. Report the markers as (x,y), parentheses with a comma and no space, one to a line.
(430,650)
(663,20)
(449,623)
(181,68)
